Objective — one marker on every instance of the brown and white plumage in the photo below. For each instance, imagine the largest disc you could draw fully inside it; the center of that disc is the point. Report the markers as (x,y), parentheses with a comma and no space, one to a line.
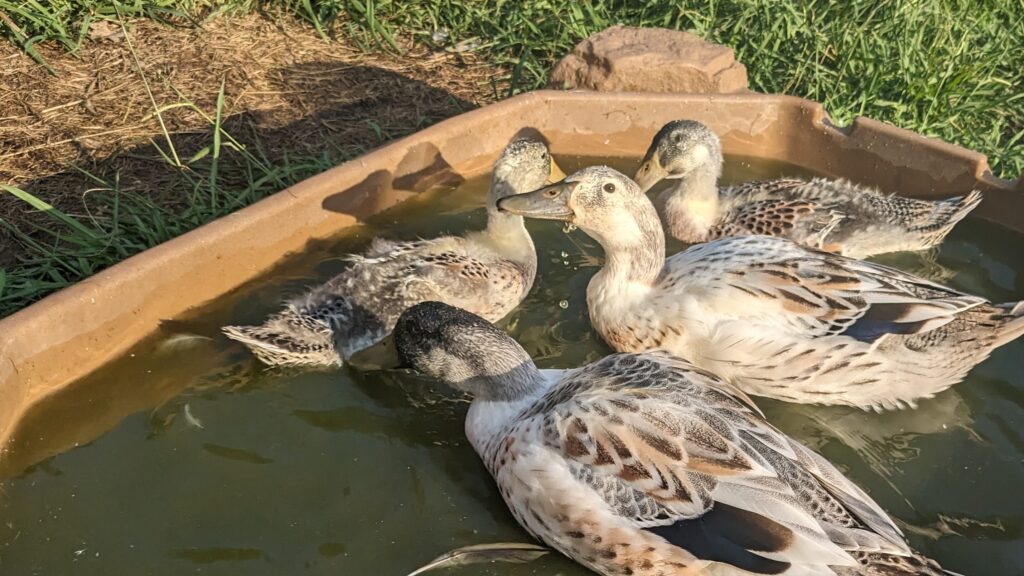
(488,272)
(834,215)
(776,318)
(644,464)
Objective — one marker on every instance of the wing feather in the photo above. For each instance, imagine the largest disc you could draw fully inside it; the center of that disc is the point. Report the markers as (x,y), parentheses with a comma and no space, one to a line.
(782,285)
(778,217)
(670,448)
(439,268)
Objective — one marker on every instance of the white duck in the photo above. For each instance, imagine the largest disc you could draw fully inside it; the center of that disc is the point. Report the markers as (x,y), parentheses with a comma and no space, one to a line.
(645,465)
(488,272)
(833,215)
(776,318)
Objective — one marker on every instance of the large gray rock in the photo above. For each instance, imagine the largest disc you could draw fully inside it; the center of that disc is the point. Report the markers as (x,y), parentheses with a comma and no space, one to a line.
(625,59)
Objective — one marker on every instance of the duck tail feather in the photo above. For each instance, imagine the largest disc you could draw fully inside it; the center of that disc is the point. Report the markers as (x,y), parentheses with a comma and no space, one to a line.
(953,210)
(287,345)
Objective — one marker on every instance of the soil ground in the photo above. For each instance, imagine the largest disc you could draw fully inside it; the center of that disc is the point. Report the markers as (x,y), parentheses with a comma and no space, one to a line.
(287,93)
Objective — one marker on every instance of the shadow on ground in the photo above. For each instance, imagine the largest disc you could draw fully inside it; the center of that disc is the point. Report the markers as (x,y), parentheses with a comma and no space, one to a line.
(337,112)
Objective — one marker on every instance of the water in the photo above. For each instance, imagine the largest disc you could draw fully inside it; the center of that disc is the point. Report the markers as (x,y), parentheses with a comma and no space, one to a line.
(187,457)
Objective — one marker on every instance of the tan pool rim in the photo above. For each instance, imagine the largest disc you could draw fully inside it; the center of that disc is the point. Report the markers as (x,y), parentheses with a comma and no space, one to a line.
(60,339)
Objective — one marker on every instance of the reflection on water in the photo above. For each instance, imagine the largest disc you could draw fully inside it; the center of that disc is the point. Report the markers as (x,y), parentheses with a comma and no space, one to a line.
(188,456)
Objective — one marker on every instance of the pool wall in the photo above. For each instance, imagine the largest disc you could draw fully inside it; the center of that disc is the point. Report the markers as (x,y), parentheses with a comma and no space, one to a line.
(53,343)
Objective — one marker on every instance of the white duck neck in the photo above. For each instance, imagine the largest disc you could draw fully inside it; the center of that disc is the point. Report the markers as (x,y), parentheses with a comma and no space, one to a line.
(634,248)
(487,419)
(507,232)
(691,207)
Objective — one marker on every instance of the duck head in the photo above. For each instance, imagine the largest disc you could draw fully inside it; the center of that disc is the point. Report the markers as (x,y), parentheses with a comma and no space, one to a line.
(679,148)
(525,164)
(465,351)
(601,201)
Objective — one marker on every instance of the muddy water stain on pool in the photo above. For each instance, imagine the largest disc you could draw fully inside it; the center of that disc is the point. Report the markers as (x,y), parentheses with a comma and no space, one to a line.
(187,456)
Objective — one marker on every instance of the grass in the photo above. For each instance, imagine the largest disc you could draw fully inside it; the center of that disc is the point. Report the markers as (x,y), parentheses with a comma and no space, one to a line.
(949,69)
(945,68)
(131,224)
(125,223)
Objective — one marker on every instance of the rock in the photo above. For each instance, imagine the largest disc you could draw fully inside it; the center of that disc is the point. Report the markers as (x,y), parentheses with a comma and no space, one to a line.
(626,59)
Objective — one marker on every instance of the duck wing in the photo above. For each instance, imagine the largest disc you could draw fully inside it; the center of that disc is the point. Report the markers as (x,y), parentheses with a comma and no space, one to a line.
(362,303)
(775,282)
(414,271)
(672,450)
(805,220)
(777,188)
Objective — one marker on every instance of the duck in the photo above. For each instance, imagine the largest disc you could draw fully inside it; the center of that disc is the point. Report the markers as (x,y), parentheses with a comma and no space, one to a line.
(645,464)
(833,215)
(777,318)
(488,272)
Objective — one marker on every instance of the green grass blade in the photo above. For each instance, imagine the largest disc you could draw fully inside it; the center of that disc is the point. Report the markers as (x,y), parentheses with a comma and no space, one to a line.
(43,206)
(214,163)
(145,83)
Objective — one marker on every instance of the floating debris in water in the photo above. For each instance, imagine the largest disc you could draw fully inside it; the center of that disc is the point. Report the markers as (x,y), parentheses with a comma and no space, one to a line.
(514,552)
(568,228)
(192,420)
(563,304)
(176,342)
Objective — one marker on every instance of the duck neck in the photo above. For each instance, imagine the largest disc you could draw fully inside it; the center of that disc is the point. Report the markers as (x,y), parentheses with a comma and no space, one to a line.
(692,207)
(489,415)
(507,232)
(634,256)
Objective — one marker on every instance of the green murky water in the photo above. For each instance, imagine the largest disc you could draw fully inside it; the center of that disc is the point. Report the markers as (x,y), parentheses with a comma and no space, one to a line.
(187,457)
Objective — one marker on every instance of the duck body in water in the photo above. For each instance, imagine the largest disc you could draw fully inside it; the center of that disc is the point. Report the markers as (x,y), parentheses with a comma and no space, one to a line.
(776,318)
(833,215)
(488,272)
(644,465)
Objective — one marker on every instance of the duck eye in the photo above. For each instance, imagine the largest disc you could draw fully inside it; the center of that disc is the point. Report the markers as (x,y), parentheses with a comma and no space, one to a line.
(609,187)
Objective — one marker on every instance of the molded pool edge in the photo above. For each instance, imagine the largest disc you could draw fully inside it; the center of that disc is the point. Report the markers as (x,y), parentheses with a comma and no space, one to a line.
(67,335)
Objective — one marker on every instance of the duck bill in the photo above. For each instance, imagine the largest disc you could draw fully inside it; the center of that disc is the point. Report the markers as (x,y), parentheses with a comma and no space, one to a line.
(548,203)
(555,173)
(381,356)
(650,173)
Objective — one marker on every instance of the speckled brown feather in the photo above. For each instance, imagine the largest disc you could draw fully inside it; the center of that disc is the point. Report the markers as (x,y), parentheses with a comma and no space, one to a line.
(488,273)
(839,216)
(833,215)
(616,458)
(777,318)
(807,326)
(808,221)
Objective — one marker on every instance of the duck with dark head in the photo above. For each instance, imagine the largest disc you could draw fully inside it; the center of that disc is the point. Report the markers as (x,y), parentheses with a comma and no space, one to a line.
(644,464)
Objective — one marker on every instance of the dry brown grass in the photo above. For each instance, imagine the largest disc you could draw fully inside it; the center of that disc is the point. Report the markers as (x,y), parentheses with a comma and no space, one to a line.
(287,91)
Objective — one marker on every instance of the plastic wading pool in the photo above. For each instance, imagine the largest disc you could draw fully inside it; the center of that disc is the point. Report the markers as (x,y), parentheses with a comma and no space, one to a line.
(51,344)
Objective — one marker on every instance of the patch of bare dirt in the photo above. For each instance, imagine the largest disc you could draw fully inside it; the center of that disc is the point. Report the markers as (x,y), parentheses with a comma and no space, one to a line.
(287,91)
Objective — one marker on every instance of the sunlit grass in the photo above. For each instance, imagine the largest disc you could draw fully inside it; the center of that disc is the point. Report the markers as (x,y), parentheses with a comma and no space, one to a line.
(950,69)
